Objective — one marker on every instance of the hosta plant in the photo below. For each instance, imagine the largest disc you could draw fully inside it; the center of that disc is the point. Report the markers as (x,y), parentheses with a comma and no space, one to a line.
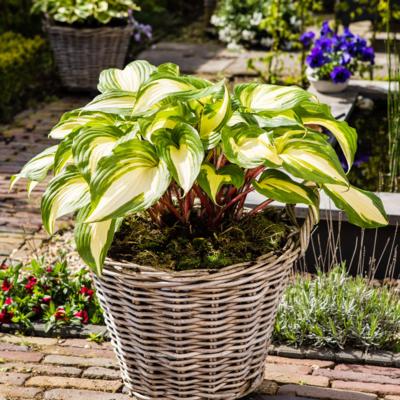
(184,149)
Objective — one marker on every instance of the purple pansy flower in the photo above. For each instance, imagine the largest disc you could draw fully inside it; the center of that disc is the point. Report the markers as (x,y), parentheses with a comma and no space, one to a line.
(325,43)
(368,54)
(340,74)
(307,38)
(316,58)
(326,29)
(347,33)
(345,58)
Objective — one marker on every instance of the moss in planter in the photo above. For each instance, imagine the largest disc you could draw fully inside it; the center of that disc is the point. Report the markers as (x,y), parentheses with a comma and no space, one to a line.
(179,247)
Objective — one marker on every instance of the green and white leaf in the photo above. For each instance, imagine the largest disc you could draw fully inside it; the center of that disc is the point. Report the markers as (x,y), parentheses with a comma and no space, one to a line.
(278,186)
(182,150)
(249,146)
(211,180)
(114,102)
(363,208)
(129,79)
(78,118)
(37,168)
(92,144)
(65,193)
(132,179)
(93,240)
(265,97)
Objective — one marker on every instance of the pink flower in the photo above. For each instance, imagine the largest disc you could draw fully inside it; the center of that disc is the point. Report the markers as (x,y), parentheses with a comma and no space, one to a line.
(6,286)
(8,301)
(3,266)
(60,313)
(49,269)
(5,316)
(46,299)
(86,291)
(31,283)
(83,316)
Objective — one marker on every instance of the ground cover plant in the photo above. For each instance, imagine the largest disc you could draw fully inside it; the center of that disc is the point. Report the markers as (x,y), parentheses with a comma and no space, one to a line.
(186,151)
(338,311)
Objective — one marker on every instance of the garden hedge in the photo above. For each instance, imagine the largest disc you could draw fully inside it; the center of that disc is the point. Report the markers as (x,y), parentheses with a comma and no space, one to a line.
(25,67)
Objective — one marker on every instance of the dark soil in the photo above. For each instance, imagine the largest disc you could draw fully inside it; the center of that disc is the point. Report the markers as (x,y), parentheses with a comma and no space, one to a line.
(179,247)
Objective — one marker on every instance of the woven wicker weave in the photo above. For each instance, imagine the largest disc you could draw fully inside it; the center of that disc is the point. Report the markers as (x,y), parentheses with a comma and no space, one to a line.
(81,54)
(195,334)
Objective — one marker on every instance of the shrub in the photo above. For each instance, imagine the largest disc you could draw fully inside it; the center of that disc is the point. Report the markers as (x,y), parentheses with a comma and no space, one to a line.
(336,310)
(25,66)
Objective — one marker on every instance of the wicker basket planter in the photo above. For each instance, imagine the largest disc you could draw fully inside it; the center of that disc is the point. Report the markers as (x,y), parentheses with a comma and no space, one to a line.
(81,54)
(195,334)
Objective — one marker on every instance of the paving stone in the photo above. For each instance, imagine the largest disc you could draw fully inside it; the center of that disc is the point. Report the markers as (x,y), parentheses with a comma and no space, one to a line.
(356,376)
(282,377)
(80,361)
(101,373)
(13,378)
(268,387)
(74,383)
(12,347)
(79,352)
(85,343)
(41,369)
(367,387)
(291,352)
(321,354)
(71,394)
(325,393)
(299,361)
(19,392)
(288,368)
(379,358)
(390,397)
(27,356)
(350,356)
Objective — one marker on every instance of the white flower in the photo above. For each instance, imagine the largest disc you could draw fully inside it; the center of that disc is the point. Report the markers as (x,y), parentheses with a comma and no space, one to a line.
(234,46)
(256,19)
(248,35)
(267,42)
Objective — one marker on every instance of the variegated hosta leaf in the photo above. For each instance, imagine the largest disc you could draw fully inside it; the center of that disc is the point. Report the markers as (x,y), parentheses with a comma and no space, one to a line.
(258,97)
(78,118)
(249,146)
(37,168)
(280,187)
(211,180)
(215,113)
(92,144)
(363,208)
(319,114)
(63,156)
(182,150)
(157,90)
(93,240)
(312,161)
(128,79)
(132,179)
(114,102)
(65,193)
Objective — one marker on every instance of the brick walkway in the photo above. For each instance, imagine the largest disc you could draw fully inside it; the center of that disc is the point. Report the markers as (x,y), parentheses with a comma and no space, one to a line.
(52,369)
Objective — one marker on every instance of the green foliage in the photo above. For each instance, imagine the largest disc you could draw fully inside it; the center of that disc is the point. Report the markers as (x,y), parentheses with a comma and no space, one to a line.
(25,65)
(84,11)
(269,23)
(336,310)
(38,292)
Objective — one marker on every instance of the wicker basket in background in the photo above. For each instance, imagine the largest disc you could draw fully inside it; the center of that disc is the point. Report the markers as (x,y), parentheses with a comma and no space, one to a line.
(197,335)
(81,54)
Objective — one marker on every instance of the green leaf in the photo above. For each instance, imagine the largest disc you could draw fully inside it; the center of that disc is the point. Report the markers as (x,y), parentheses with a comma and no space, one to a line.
(312,160)
(258,97)
(182,150)
(320,114)
(93,240)
(363,208)
(78,118)
(37,168)
(132,179)
(92,144)
(249,146)
(114,102)
(280,187)
(211,180)
(65,193)
(129,79)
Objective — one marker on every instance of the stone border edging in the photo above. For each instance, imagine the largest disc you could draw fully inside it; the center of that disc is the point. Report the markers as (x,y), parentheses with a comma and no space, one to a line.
(348,356)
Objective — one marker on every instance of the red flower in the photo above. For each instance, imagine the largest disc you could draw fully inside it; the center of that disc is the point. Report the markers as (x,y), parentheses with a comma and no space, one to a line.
(3,266)
(5,316)
(83,316)
(60,313)
(87,292)
(36,309)
(31,283)
(49,269)
(6,286)
(46,299)
(8,301)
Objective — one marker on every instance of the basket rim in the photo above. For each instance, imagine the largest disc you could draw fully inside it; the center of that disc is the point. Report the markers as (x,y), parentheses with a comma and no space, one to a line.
(52,27)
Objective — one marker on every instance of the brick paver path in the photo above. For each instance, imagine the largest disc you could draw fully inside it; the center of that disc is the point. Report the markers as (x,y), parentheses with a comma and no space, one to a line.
(20,221)
(75,369)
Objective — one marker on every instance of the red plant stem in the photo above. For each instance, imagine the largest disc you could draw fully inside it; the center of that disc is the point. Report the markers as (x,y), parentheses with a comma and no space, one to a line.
(205,202)
(187,207)
(221,161)
(172,209)
(260,207)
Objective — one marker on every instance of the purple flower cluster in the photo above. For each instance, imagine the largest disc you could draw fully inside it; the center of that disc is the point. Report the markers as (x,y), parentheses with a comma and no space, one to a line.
(335,56)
